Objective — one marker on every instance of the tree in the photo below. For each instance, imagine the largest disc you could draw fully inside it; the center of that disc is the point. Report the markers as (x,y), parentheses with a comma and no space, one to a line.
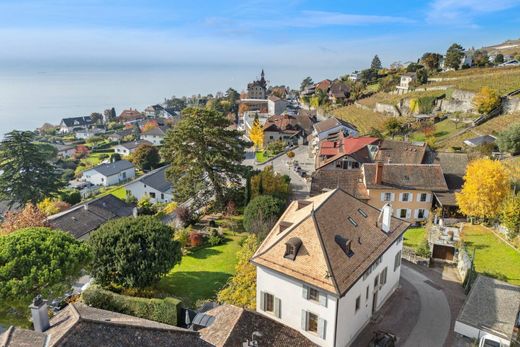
(368,75)
(510,215)
(388,83)
(205,155)
(243,108)
(50,206)
(421,76)
(486,100)
(394,127)
(431,60)
(376,63)
(146,157)
(133,252)
(240,290)
(39,261)
(480,58)
(27,175)
(151,124)
(261,214)
(486,185)
(29,216)
(96,117)
(257,134)
(509,140)
(307,81)
(454,55)
(499,59)
(269,182)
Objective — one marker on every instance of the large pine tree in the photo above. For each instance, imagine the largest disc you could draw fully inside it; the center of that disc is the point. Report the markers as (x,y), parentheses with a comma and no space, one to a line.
(205,155)
(26,175)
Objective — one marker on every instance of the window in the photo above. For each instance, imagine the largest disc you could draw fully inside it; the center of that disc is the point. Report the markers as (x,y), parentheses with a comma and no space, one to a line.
(405,197)
(152,195)
(358,303)
(312,322)
(352,221)
(387,197)
(423,197)
(314,294)
(367,293)
(376,282)
(162,196)
(382,276)
(363,213)
(397,260)
(268,302)
(124,175)
(420,213)
(402,213)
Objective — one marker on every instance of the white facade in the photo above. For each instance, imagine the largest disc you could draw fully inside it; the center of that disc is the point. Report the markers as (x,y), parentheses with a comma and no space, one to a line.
(474,333)
(156,140)
(122,150)
(276,106)
(340,127)
(98,179)
(139,190)
(339,319)
(67,153)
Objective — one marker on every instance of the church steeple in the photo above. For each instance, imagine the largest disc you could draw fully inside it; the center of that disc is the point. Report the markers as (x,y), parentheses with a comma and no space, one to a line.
(262,75)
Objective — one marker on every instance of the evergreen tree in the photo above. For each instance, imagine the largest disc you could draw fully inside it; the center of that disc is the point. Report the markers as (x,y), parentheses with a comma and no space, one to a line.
(499,59)
(26,176)
(305,83)
(146,157)
(376,63)
(454,54)
(205,155)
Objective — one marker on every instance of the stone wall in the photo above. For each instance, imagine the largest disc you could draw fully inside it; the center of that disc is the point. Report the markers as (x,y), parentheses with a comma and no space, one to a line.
(511,105)
(387,108)
(460,101)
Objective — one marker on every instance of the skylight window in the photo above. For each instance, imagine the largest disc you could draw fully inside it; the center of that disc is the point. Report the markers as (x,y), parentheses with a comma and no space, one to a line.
(363,213)
(352,221)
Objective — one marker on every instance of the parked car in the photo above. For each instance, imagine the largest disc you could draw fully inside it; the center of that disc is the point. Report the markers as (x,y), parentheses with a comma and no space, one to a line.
(382,339)
(489,341)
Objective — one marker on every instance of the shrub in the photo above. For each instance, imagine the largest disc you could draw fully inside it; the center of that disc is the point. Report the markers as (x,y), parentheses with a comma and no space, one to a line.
(215,240)
(261,213)
(182,236)
(160,310)
(486,100)
(145,206)
(196,239)
(185,215)
(424,249)
(509,140)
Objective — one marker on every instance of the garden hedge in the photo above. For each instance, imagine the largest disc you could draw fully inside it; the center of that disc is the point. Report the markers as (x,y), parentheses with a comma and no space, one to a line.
(160,310)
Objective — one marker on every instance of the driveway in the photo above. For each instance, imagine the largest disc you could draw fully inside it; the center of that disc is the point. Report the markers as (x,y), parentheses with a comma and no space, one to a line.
(422,311)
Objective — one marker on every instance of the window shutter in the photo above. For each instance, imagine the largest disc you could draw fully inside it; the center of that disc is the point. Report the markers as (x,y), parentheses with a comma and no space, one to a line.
(382,196)
(426,213)
(305,292)
(323,299)
(304,320)
(277,307)
(400,196)
(393,197)
(428,197)
(408,213)
(410,197)
(416,214)
(262,307)
(322,323)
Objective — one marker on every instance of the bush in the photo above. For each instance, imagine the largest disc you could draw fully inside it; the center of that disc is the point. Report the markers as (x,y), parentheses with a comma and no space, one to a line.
(160,310)
(145,206)
(185,216)
(261,214)
(424,249)
(196,239)
(71,196)
(215,240)
(182,236)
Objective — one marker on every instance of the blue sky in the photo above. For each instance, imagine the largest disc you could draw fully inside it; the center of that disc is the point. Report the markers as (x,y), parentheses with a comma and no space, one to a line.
(294,38)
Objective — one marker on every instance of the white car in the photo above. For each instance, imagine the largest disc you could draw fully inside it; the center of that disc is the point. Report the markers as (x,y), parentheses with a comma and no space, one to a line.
(489,341)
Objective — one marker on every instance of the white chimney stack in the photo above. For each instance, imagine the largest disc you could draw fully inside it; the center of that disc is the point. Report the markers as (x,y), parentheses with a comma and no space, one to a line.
(386,214)
(134,212)
(40,316)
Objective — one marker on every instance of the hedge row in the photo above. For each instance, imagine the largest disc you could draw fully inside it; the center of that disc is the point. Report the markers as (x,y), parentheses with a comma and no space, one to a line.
(160,310)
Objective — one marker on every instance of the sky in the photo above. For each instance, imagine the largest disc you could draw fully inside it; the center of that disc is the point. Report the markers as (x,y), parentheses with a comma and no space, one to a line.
(207,46)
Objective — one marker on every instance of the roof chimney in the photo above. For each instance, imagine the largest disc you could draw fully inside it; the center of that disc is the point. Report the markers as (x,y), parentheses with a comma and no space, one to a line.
(379,173)
(40,316)
(386,216)
(85,207)
(134,212)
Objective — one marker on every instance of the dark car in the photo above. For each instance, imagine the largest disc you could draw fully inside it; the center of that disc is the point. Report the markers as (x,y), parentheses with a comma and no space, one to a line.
(382,339)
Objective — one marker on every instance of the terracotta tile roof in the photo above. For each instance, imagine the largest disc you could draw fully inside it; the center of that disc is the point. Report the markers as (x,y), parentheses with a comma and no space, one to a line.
(351,181)
(333,150)
(233,325)
(406,176)
(130,115)
(323,85)
(282,123)
(320,260)
(401,152)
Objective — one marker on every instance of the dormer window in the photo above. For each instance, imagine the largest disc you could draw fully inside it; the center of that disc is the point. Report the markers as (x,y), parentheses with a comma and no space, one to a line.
(283,226)
(292,246)
(345,244)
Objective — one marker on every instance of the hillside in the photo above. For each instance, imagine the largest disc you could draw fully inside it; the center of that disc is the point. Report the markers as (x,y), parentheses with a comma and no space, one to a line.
(363,119)
(506,47)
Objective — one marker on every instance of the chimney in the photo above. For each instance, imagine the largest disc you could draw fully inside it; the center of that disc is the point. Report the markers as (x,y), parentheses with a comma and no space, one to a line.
(85,207)
(40,316)
(379,173)
(134,212)
(386,213)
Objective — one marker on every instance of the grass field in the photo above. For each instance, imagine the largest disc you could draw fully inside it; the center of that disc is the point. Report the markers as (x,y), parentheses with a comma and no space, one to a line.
(493,257)
(203,272)
(393,99)
(262,156)
(443,130)
(363,119)
(414,236)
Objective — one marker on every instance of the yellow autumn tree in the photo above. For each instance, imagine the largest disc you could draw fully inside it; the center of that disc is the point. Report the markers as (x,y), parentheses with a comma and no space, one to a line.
(486,185)
(257,134)
(486,100)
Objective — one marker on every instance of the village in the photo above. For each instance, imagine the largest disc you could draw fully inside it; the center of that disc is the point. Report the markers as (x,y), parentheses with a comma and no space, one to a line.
(378,208)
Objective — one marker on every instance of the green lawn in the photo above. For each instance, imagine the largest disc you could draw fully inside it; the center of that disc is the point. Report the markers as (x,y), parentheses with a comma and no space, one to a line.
(203,272)
(493,257)
(262,156)
(443,130)
(413,236)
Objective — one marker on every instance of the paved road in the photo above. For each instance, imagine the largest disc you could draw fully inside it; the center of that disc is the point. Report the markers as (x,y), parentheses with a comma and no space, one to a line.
(433,322)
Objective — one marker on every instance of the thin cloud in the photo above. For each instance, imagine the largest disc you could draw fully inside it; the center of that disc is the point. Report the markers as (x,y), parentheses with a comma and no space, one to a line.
(464,12)
(324,18)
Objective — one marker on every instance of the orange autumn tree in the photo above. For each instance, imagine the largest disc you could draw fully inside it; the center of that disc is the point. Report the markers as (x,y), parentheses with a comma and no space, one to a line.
(486,185)
(29,216)
(151,124)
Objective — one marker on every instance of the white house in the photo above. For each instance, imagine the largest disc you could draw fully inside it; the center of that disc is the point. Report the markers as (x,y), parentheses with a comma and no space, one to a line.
(129,147)
(406,82)
(275,105)
(331,127)
(153,185)
(155,135)
(68,125)
(65,151)
(110,173)
(328,265)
